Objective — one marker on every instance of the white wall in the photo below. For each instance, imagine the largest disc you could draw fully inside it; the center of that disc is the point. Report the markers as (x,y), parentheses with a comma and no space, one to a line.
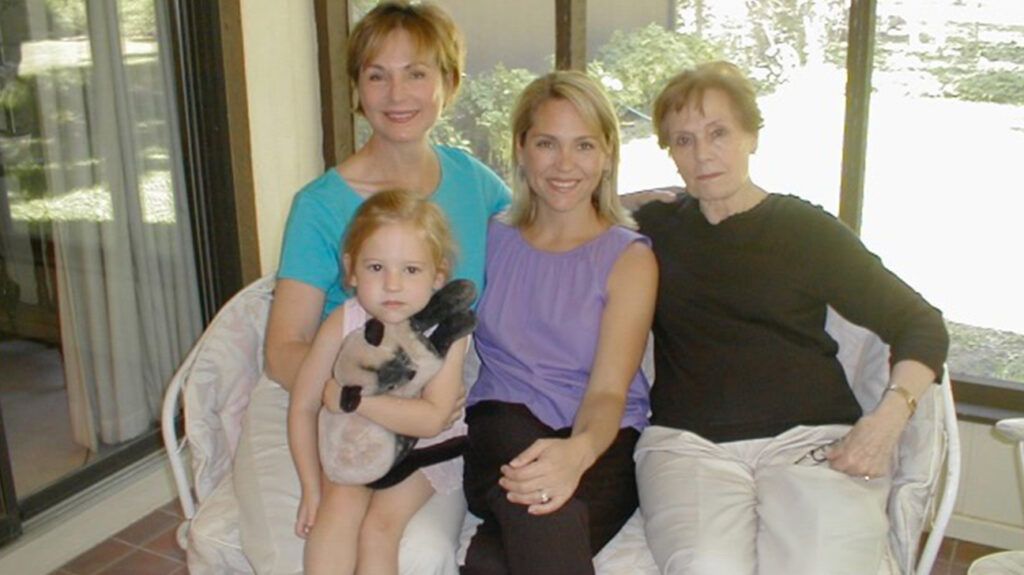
(988,509)
(284,110)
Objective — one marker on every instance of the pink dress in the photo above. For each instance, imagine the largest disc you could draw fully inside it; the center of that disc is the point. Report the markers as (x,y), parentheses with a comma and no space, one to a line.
(444,477)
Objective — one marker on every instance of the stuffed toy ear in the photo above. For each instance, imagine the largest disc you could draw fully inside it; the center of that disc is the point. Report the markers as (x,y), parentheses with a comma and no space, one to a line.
(373,332)
(448,309)
(454,297)
(451,329)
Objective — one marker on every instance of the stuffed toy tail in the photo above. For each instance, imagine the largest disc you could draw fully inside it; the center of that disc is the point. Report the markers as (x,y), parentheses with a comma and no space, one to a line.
(419,458)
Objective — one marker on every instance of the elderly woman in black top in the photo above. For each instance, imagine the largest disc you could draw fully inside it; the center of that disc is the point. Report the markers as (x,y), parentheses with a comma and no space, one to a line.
(759,458)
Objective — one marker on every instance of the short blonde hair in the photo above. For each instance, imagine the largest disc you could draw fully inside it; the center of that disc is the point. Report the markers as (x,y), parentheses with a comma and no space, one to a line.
(432,30)
(592,103)
(401,207)
(689,87)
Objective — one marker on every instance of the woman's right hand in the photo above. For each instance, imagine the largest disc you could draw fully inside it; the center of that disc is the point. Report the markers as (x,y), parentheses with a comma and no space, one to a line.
(306,516)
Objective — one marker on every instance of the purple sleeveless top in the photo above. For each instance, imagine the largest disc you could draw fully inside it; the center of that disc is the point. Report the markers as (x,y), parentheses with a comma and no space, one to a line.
(540,317)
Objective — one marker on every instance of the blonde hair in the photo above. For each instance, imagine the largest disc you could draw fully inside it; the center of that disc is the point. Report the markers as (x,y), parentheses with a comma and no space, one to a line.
(433,31)
(689,87)
(401,207)
(593,105)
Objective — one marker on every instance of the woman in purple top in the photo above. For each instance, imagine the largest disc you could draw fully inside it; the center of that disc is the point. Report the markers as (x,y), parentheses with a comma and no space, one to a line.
(560,400)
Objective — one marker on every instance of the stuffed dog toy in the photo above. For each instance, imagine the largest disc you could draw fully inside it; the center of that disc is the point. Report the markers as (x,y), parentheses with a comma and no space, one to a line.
(397,360)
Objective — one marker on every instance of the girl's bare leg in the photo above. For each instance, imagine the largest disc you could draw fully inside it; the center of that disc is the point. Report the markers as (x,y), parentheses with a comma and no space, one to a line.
(332,543)
(389,512)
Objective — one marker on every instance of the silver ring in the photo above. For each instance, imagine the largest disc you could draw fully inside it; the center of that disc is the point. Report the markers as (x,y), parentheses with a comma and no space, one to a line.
(867,478)
(544,498)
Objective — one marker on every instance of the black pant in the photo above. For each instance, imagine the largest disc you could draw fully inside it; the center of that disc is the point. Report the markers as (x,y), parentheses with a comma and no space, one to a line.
(510,540)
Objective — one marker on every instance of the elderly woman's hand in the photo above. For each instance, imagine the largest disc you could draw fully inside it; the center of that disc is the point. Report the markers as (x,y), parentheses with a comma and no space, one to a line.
(867,449)
(545,475)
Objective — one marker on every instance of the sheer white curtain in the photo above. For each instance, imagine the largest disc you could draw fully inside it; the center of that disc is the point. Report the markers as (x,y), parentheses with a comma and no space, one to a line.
(126,278)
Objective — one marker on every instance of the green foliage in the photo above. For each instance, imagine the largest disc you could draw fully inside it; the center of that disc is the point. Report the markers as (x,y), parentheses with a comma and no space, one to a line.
(14,93)
(480,118)
(956,62)
(634,65)
(989,352)
(1003,51)
(138,18)
(69,16)
(1000,86)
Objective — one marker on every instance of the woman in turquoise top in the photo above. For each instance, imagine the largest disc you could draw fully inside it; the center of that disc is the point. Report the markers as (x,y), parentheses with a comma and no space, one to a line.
(405,62)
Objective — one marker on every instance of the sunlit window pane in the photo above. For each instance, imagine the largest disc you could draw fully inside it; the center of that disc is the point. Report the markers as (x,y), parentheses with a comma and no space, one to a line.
(943,194)
(794,50)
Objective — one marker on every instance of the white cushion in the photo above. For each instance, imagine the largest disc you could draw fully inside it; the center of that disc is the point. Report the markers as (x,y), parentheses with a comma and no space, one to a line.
(213,544)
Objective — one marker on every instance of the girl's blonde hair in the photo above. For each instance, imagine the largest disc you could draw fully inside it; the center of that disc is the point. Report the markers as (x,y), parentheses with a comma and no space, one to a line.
(432,30)
(401,207)
(593,105)
(689,87)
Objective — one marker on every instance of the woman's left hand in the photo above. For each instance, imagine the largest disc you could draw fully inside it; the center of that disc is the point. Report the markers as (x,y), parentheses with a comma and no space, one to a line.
(545,475)
(867,449)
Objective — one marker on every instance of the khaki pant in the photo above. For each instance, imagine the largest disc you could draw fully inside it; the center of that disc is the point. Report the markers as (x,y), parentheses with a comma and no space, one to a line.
(760,506)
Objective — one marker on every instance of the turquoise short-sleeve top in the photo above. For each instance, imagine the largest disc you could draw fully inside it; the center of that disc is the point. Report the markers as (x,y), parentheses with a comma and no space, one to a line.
(469,193)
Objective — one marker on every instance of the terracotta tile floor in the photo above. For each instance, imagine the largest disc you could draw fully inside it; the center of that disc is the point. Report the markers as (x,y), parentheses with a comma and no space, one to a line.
(148,547)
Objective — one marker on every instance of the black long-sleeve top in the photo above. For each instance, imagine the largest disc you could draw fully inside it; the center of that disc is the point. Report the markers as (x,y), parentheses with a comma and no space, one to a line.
(741,350)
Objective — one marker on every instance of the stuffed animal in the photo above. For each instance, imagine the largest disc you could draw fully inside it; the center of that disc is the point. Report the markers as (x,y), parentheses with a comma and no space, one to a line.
(397,360)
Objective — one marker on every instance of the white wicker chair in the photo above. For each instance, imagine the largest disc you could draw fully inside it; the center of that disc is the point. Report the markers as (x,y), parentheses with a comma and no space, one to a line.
(216,378)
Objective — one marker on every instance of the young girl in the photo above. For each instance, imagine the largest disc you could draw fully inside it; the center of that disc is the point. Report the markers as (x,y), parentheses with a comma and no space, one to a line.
(396,254)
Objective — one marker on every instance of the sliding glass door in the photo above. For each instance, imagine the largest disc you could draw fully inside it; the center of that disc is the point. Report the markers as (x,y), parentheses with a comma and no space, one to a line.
(99,298)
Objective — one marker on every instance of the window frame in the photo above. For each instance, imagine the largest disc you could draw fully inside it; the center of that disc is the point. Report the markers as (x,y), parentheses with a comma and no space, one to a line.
(978,398)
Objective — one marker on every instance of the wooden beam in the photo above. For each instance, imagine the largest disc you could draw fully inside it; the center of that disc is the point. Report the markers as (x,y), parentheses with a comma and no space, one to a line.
(859,64)
(237,102)
(571,35)
(332,24)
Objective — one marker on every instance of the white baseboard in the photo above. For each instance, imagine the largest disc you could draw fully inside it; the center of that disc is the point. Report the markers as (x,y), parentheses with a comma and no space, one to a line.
(77,525)
(986,532)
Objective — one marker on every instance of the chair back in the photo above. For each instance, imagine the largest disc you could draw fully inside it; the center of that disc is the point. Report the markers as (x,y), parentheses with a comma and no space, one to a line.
(928,455)
(215,381)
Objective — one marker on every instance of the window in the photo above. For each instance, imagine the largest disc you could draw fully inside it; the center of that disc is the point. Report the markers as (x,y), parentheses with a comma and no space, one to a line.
(946,127)
(794,51)
(942,198)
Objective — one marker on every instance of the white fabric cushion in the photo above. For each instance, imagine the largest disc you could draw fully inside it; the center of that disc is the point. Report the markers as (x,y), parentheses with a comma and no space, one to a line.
(224,367)
(213,544)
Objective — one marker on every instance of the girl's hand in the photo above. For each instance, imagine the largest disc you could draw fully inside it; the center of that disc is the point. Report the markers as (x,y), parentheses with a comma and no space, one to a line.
(545,475)
(332,396)
(459,410)
(306,516)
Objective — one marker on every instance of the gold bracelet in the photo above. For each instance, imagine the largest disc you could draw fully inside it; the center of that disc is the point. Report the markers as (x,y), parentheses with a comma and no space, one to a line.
(907,396)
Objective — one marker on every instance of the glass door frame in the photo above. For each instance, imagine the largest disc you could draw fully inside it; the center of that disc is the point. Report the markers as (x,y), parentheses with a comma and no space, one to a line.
(226,256)
(10,517)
